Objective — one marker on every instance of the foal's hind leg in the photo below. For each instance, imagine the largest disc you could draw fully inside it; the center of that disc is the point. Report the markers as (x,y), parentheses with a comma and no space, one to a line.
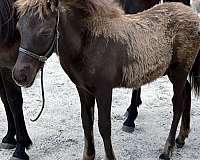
(178,77)
(185,123)
(104,98)
(129,124)
(8,141)
(15,101)
(87,115)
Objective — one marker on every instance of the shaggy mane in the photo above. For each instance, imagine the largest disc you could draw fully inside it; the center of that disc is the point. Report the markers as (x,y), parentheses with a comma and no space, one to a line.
(89,7)
(108,8)
(24,6)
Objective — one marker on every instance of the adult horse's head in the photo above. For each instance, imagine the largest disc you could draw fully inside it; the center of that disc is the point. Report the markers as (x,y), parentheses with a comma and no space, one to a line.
(38,28)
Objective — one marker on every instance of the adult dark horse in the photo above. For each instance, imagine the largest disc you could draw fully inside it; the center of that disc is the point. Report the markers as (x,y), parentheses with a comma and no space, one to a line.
(131,7)
(10,93)
(135,6)
(107,49)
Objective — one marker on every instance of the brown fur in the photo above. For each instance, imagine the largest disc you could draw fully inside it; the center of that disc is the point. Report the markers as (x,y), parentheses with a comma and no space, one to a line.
(26,5)
(100,48)
(91,7)
(152,37)
(103,8)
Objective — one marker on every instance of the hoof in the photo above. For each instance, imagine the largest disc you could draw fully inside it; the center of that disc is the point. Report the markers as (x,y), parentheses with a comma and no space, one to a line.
(7,146)
(87,157)
(21,156)
(179,143)
(15,158)
(164,156)
(128,129)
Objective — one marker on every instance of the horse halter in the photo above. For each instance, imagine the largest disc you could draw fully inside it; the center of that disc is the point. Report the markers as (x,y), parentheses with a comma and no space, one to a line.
(49,52)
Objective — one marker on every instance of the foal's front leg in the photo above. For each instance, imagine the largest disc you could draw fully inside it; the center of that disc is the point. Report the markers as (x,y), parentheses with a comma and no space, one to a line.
(178,78)
(185,123)
(87,115)
(104,99)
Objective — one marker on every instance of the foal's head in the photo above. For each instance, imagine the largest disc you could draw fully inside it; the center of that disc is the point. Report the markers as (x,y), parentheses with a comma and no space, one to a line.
(37,26)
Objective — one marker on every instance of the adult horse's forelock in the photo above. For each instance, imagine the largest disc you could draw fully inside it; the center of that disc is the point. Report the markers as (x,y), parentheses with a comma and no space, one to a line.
(43,7)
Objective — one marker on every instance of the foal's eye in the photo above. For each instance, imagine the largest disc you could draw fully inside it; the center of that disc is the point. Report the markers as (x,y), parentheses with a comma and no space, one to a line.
(45,32)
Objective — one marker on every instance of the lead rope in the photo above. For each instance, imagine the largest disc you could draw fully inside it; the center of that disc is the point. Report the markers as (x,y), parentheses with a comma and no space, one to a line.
(43,97)
(42,84)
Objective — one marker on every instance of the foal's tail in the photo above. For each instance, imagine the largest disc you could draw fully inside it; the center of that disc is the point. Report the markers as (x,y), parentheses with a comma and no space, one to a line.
(195,75)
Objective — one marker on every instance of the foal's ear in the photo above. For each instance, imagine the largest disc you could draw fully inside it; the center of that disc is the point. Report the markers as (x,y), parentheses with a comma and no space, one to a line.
(52,4)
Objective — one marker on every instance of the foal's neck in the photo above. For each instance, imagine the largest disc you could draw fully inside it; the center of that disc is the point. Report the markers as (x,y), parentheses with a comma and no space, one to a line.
(70,43)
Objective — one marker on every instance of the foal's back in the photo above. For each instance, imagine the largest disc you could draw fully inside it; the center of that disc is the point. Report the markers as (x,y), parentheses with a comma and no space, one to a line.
(164,35)
(143,46)
(151,41)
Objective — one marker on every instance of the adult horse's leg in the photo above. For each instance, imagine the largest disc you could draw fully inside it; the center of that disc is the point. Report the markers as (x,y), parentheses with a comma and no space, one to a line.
(129,125)
(186,2)
(178,77)
(185,123)
(8,141)
(87,115)
(14,97)
(104,99)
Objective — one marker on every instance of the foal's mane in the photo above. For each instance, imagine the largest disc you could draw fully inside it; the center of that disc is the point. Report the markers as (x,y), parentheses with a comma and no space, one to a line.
(108,8)
(8,21)
(25,5)
(89,7)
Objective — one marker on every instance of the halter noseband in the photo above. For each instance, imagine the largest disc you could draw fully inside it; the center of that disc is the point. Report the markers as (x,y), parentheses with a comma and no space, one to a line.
(51,48)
